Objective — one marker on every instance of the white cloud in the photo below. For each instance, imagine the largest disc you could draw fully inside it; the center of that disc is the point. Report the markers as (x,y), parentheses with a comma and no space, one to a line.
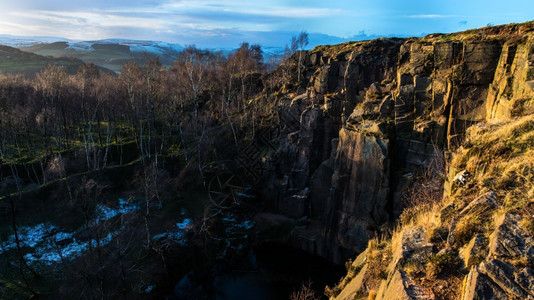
(288,12)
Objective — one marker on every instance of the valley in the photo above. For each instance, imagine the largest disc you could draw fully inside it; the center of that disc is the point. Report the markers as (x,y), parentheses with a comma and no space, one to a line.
(394,168)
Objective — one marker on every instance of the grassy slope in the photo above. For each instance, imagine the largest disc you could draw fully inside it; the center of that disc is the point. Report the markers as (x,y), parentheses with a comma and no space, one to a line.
(15,61)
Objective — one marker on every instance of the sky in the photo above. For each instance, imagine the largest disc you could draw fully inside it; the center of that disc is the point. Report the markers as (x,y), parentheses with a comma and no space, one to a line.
(211,23)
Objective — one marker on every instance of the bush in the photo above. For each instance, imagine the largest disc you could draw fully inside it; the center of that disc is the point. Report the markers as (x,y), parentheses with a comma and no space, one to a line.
(352,269)
(438,234)
(331,292)
(445,261)
(466,228)
(305,293)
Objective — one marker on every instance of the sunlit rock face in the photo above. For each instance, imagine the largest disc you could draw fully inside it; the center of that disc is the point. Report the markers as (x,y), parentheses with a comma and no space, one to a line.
(375,112)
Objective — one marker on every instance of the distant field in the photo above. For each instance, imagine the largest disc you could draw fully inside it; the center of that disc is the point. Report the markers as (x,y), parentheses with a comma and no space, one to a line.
(15,61)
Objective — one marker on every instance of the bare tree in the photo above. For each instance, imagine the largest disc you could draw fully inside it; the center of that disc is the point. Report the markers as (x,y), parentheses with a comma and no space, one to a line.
(192,64)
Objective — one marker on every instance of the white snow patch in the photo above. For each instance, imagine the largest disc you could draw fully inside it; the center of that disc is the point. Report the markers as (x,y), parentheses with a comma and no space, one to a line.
(50,245)
(177,236)
(29,236)
(185,224)
(104,213)
(149,289)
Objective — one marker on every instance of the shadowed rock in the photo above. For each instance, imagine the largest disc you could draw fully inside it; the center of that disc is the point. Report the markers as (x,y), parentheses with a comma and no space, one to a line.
(511,241)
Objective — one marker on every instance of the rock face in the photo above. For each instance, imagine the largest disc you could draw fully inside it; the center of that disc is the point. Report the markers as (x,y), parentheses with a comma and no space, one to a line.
(495,278)
(375,112)
(359,191)
(401,287)
(414,247)
(510,240)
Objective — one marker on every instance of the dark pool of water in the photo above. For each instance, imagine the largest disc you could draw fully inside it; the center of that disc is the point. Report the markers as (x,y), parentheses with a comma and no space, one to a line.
(280,270)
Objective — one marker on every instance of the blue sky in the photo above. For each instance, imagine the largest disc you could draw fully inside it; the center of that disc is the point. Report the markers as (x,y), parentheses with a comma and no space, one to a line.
(211,23)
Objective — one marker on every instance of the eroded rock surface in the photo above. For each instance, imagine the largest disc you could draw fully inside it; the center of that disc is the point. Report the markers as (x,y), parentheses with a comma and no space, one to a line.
(402,287)
(391,106)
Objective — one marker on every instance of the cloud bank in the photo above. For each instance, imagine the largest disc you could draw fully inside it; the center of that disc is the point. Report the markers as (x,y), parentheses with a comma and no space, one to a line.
(217,23)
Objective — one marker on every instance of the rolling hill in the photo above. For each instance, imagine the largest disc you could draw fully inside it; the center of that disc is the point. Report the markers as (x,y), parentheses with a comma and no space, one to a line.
(15,61)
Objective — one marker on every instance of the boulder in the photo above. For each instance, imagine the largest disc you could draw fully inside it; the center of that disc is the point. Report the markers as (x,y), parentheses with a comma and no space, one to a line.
(474,252)
(481,204)
(525,279)
(355,286)
(511,241)
(479,286)
(402,287)
(414,246)
(502,274)
(461,178)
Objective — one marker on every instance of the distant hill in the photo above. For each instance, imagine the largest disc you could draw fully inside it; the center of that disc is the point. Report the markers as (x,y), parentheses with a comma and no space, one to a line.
(110,54)
(16,61)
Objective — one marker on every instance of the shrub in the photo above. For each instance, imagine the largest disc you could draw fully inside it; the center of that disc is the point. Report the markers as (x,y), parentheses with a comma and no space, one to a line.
(331,292)
(438,234)
(445,261)
(414,268)
(466,228)
(305,293)
(352,269)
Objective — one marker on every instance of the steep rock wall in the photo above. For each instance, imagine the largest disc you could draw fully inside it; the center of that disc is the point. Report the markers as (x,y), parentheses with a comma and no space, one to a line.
(375,112)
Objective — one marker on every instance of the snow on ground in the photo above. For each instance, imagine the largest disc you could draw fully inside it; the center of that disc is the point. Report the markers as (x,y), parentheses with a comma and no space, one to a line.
(104,213)
(50,252)
(177,235)
(186,223)
(49,245)
(81,46)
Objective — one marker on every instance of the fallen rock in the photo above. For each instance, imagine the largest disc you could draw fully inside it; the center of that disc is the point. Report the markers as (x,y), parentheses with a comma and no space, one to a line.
(402,287)
(414,246)
(511,241)
(461,178)
(475,251)
(502,274)
(481,204)
(479,286)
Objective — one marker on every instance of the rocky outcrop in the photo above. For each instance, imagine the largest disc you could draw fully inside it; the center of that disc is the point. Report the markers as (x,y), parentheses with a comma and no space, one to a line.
(414,248)
(359,192)
(496,279)
(479,286)
(402,287)
(375,112)
(510,240)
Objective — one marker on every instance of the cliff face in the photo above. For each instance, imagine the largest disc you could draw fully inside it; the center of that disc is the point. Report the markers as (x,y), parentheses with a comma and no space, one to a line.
(374,113)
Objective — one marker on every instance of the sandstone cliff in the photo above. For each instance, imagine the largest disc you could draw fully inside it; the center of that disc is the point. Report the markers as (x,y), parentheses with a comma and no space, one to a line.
(368,116)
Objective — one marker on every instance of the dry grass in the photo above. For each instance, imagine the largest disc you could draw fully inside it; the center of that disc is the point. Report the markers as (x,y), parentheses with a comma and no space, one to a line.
(501,158)
(466,228)
(378,258)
